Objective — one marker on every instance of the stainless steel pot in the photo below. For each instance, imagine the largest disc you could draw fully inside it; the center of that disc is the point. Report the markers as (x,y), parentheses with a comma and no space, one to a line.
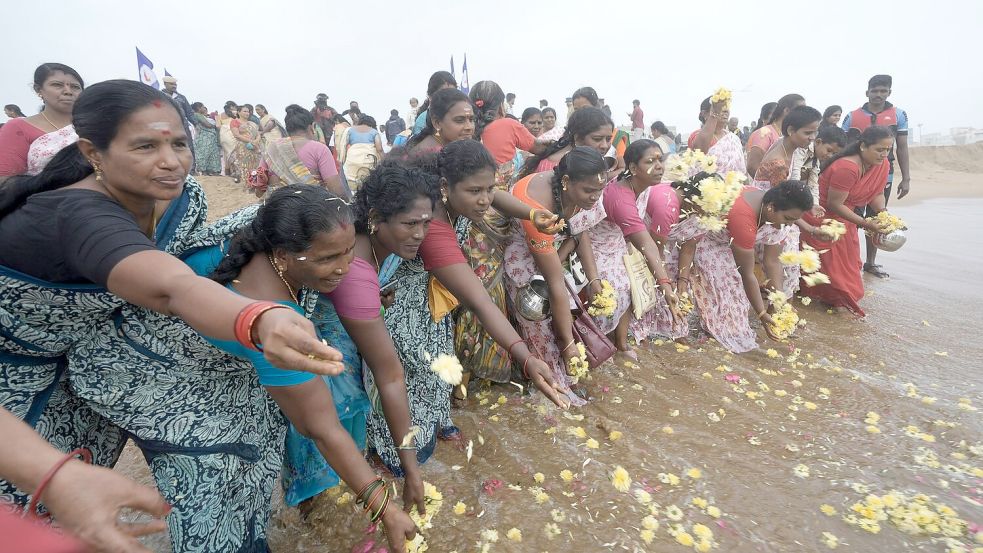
(532,300)
(891,241)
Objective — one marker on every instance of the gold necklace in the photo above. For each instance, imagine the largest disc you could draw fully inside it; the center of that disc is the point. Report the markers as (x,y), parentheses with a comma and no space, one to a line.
(56,127)
(279,273)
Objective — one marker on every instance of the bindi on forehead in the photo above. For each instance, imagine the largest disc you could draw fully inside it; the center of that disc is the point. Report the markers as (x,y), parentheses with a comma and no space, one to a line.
(157,104)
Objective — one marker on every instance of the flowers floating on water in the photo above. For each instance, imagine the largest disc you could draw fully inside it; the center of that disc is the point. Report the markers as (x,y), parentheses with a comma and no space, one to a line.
(674,513)
(785,320)
(604,302)
(888,222)
(514,534)
(833,228)
(460,508)
(827,510)
(918,515)
(448,368)
(800,470)
(620,479)
(566,475)
(830,540)
(694,473)
(577,366)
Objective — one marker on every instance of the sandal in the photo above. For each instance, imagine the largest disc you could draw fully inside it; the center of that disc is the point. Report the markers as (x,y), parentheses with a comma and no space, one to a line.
(875,270)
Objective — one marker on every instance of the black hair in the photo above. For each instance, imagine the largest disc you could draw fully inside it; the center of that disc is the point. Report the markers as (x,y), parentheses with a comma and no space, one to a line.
(487,98)
(830,111)
(393,112)
(831,134)
(765,114)
(297,119)
(365,119)
(390,189)
(437,80)
(879,80)
(529,112)
(443,101)
(230,104)
(785,105)
(252,111)
(289,220)
(549,109)
(262,106)
(45,70)
(196,105)
(790,194)
(583,122)
(97,116)
(578,163)
(16,109)
(588,94)
(661,127)
(635,152)
(870,136)
(510,96)
(705,105)
(635,102)
(799,117)
(462,158)
(690,188)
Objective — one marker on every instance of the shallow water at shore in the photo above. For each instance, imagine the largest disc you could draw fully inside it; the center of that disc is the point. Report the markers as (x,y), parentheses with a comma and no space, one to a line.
(683,410)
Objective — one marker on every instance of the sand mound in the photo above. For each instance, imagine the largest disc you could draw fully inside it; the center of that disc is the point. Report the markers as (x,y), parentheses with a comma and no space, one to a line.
(966,158)
(224,196)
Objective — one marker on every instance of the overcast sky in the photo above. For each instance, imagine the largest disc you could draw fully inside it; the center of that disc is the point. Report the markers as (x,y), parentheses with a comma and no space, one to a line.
(669,55)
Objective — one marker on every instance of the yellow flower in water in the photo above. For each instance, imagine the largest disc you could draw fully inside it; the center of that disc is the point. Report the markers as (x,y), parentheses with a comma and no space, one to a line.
(668,478)
(542,497)
(700,502)
(703,546)
(502,400)
(781,393)
(558,515)
(694,473)
(417,544)
(460,508)
(551,530)
(643,496)
(344,499)
(650,523)
(647,535)
(802,471)
(448,368)
(489,535)
(684,539)
(514,534)
(702,532)
(578,432)
(806,300)
(872,418)
(830,540)
(539,477)
(614,435)
(620,479)
(667,430)
(592,443)
(827,510)
(714,511)
(566,475)
(809,405)
(772,353)
(674,513)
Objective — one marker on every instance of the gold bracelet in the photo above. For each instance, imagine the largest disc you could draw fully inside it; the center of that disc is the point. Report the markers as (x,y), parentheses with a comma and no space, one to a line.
(532,215)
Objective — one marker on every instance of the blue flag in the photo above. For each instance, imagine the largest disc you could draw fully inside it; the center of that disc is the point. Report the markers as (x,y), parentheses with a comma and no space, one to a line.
(145,69)
(465,85)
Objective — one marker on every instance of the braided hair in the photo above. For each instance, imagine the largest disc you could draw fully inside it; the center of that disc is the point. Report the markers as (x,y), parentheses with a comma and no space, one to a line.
(583,122)
(790,194)
(289,220)
(443,101)
(634,153)
(487,98)
(690,188)
(390,189)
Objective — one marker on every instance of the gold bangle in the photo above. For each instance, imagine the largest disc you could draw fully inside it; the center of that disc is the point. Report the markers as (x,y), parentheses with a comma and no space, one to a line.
(532,215)
(763,313)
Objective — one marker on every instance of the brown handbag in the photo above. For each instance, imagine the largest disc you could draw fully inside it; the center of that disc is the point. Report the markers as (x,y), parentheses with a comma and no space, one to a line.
(599,349)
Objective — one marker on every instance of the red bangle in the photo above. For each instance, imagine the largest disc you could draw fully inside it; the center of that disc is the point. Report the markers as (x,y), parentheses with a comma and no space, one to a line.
(512,345)
(247,318)
(36,496)
(662,281)
(365,487)
(525,373)
(375,495)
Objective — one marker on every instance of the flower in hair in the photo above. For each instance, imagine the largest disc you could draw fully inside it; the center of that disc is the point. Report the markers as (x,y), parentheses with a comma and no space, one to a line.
(479,103)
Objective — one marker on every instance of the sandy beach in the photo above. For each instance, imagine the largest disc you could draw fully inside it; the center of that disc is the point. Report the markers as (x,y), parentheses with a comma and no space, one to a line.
(761,440)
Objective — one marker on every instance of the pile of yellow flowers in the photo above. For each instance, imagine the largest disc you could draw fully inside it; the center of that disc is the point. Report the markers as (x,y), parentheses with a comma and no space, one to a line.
(678,167)
(888,222)
(604,302)
(785,319)
(834,228)
(434,499)
(577,366)
(721,95)
(717,197)
(918,515)
(448,368)
(806,258)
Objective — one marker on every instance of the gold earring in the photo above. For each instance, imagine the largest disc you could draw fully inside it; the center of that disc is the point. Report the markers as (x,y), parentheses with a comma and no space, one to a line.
(371,227)
(436,133)
(98,169)
(443,194)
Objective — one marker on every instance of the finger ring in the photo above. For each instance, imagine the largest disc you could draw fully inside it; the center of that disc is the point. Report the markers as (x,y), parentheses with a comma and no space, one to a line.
(311,356)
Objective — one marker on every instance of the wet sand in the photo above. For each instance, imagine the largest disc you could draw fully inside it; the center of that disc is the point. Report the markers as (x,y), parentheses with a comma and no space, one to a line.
(746,422)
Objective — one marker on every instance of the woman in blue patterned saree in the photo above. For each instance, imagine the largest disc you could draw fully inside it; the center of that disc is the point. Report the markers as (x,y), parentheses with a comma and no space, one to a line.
(91,351)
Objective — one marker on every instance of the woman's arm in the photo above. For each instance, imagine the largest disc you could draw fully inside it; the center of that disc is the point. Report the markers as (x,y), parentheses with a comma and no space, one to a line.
(269,126)
(704,137)
(87,500)
(687,251)
(835,199)
(461,281)
(745,266)
(754,156)
(772,267)
(160,282)
(376,347)
(585,252)
(310,408)
(239,134)
(513,207)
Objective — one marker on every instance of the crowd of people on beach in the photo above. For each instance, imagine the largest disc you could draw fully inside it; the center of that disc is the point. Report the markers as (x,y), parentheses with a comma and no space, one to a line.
(324,334)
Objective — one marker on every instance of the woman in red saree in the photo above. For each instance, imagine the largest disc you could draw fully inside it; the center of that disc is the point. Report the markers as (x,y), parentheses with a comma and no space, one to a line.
(855,178)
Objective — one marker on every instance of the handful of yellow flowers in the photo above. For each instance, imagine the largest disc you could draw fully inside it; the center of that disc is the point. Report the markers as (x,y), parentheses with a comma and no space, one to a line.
(721,95)
(685,303)
(785,320)
(604,302)
(577,366)
(833,228)
(434,499)
(717,197)
(806,258)
(888,222)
